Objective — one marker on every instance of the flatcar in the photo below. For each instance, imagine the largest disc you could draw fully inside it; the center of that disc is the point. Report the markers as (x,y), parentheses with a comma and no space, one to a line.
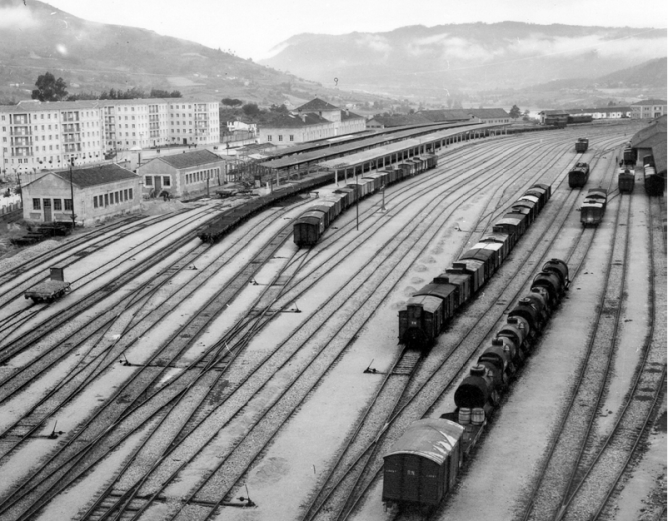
(423,464)
(581,145)
(593,207)
(51,289)
(430,309)
(626,180)
(578,175)
(308,230)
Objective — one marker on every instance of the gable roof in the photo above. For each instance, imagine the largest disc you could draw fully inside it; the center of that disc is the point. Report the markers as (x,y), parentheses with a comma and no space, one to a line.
(653,134)
(189,159)
(317,104)
(95,175)
(346,114)
(438,115)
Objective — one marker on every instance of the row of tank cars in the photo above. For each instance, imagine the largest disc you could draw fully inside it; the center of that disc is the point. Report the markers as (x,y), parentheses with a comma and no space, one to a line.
(422,465)
(429,310)
(311,224)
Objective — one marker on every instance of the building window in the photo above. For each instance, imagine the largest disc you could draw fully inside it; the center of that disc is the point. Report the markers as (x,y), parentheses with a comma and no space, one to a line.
(280,137)
(166,181)
(95,201)
(36,204)
(106,199)
(68,204)
(125,194)
(148,180)
(57,205)
(117,197)
(130,193)
(269,138)
(292,137)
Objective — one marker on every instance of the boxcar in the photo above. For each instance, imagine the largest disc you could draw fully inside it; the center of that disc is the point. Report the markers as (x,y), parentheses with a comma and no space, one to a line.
(626,181)
(308,228)
(655,184)
(461,282)
(578,175)
(581,145)
(422,465)
(420,323)
(447,293)
(629,156)
(488,257)
(591,213)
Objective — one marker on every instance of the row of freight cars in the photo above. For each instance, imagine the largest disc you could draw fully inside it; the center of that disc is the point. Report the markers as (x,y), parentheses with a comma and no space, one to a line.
(423,464)
(429,310)
(223,224)
(310,225)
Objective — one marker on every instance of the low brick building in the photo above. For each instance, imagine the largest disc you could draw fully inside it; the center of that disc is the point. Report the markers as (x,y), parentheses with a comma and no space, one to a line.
(181,175)
(100,192)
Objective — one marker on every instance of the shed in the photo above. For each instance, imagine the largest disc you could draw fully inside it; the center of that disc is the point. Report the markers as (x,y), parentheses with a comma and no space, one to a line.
(100,192)
(183,174)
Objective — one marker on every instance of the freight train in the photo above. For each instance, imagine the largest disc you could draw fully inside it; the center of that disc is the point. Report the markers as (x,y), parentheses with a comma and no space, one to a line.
(310,225)
(593,207)
(423,464)
(429,310)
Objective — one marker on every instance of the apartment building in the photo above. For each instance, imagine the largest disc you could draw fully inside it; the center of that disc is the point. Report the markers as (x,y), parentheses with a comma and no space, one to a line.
(38,135)
(648,109)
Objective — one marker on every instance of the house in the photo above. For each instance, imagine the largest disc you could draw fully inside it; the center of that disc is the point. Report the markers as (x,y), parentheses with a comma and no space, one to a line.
(648,109)
(182,175)
(314,120)
(91,193)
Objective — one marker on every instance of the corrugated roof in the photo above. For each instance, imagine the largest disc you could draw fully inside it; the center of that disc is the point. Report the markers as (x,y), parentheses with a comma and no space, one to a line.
(317,104)
(189,159)
(95,175)
(431,438)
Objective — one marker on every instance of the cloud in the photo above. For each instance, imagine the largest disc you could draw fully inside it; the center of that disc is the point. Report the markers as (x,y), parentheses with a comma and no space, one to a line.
(16,18)
(541,45)
(448,47)
(375,42)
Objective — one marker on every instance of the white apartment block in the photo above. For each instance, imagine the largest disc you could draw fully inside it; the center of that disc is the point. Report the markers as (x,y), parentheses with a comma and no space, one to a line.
(38,135)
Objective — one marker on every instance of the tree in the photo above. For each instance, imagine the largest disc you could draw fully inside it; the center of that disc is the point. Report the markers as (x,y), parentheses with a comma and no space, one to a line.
(232,102)
(251,109)
(49,88)
(515,112)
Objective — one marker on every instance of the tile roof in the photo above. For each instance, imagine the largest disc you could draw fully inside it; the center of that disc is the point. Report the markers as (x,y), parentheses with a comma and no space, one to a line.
(95,175)
(294,121)
(488,113)
(650,102)
(317,104)
(437,115)
(346,114)
(188,159)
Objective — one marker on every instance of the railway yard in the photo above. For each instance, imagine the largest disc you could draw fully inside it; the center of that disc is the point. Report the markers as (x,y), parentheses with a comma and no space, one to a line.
(252,379)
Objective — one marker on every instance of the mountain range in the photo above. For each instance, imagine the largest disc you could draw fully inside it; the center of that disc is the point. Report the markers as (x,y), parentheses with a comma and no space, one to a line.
(466,57)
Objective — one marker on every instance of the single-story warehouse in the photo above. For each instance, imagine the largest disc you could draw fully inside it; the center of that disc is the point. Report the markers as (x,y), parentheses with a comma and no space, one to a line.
(181,175)
(99,192)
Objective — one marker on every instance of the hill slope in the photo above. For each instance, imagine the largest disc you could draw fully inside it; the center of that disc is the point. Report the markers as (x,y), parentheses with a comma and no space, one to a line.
(36,37)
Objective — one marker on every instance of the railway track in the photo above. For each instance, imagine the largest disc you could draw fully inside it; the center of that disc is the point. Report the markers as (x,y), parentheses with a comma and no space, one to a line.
(141,497)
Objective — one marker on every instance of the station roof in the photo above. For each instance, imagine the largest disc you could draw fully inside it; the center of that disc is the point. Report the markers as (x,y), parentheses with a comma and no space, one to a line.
(431,438)
(375,141)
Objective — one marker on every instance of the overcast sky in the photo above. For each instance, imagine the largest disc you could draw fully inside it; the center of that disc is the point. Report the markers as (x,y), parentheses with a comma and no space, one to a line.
(251,28)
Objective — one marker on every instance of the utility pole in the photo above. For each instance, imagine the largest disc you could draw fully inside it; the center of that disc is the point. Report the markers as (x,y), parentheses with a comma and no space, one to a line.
(357,205)
(72,193)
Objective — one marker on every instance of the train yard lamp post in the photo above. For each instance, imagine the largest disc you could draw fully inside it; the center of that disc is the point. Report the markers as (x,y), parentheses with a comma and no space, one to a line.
(72,193)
